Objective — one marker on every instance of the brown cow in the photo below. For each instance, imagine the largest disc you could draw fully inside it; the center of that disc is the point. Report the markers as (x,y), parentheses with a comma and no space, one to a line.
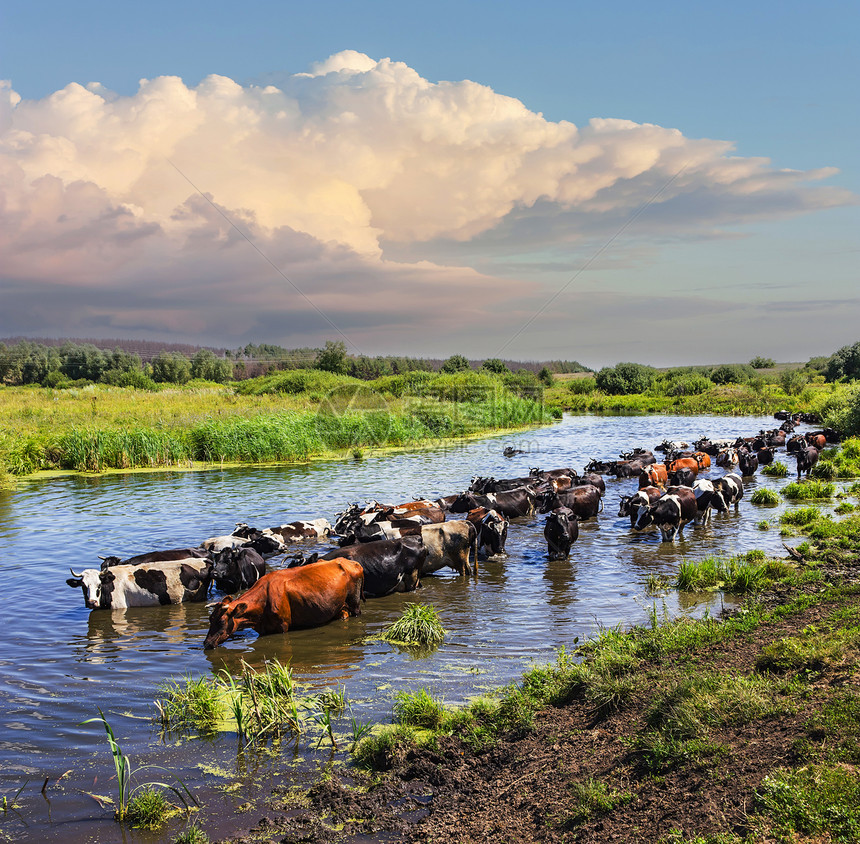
(703,459)
(288,599)
(683,463)
(653,475)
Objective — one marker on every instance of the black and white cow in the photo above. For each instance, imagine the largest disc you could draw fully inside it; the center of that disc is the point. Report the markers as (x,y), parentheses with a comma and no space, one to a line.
(237,568)
(245,537)
(747,462)
(291,532)
(560,531)
(669,514)
(708,499)
(390,565)
(731,487)
(168,556)
(148,585)
(681,477)
(630,504)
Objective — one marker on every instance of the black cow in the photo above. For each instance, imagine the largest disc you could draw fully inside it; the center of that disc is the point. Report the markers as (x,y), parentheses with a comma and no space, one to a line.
(516,503)
(731,487)
(681,477)
(237,568)
(560,531)
(669,514)
(484,486)
(630,504)
(492,530)
(766,455)
(747,462)
(806,459)
(168,556)
(589,479)
(390,565)
(584,501)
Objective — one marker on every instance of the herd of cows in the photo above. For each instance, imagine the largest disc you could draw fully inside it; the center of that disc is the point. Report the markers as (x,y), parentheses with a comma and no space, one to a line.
(385,548)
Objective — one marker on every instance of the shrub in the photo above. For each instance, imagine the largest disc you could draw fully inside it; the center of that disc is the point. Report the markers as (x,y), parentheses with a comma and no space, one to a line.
(762,363)
(731,373)
(582,386)
(625,379)
(689,385)
(455,363)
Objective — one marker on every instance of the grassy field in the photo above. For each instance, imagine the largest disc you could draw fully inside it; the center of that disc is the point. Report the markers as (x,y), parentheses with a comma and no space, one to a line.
(286,418)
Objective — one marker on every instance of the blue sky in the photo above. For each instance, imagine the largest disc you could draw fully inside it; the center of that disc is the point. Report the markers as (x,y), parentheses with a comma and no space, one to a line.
(710,274)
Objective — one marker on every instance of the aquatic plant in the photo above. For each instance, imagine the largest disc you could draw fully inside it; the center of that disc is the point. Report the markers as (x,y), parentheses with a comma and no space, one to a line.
(764,495)
(419,626)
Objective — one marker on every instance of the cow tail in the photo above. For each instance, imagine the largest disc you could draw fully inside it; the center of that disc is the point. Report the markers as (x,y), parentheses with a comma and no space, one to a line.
(475,552)
(601,504)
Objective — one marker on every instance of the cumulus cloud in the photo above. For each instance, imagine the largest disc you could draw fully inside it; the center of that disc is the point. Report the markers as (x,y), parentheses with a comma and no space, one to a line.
(374,191)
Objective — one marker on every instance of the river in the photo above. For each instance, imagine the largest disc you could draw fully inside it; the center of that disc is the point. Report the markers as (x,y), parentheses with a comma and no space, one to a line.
(59,661)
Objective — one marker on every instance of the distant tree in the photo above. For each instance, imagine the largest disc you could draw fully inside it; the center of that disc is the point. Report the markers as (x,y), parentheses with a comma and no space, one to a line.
(793,381)
(844,363)
(762,363)
(732,373)
(171,368)
(333,358)
(208,367)
(546,376)
(455,363)
(625,379)
(495,366)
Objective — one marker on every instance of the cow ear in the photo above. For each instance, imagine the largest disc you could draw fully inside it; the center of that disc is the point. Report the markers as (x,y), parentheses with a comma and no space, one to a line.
(106,576)
(240,608)
(74,582)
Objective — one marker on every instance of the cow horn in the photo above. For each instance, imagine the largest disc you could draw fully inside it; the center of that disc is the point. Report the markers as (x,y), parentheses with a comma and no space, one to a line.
(75,574)
(100,557)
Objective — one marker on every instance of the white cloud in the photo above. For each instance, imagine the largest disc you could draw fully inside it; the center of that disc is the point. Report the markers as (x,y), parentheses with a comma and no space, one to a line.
(327,171)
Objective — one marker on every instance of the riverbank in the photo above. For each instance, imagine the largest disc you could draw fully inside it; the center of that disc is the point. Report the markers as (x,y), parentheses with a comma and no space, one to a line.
(291,420)
(717,731)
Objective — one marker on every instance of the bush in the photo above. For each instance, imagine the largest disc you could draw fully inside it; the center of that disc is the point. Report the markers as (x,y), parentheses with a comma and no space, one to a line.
(455,363)
(689,385)
(625,379)
(793,381)
(582,386)
(732,373)
(762,363)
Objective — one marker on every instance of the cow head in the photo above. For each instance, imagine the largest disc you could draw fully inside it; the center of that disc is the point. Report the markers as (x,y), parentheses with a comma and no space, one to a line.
(494,532)
(624,505)
(644,518)
(228,617)
(96,586)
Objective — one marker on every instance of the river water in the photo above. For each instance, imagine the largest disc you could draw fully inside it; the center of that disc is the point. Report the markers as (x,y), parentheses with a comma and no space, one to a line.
(59,661)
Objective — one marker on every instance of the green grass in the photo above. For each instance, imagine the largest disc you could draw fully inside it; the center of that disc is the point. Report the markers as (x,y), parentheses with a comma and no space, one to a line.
(190,703)
(808,489)
(745,573)
(148,809)
(191,835)
(591,798)
(775,470)
(815,650)
(766,496)
(801,516)
(419,709)
(419,626)
(815,800)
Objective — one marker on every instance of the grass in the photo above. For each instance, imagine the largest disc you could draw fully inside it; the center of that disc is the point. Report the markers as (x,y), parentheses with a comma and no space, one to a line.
(192,834)
(258,705)
(419,709)
(419,626)
(766,496)
(148,809)
(745,573)
(591,798)
(775,470)
(801,516)
(288,417)
(809,489)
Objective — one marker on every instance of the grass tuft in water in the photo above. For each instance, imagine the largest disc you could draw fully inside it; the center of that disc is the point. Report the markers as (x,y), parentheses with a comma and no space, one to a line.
(419,626)
(810,488)
(765,496)
(148,809)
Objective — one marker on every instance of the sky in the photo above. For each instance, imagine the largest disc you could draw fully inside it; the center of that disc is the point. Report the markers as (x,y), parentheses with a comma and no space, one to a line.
(670,183)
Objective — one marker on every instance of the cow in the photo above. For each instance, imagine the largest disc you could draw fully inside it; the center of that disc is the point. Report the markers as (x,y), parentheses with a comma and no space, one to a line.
(668,514)
(584,501)
(560,531)
(669,445)
(653,475)
(245,537)
(237,568)
(817,440)
(393,529)
(795,444)
(727,458)
(747,462)
(492,528)
(703,459)
(516,503)
(683,463)
(147,585)
(444,503)
(484,486)
(510,451)
(707,499)
(299,531)
(168,556)
(630,504)
(589,479)
(766,455)
(449,544)
(806,459)
(731,487)
(711,447)
(390,565)
(290,599)
(681,477)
